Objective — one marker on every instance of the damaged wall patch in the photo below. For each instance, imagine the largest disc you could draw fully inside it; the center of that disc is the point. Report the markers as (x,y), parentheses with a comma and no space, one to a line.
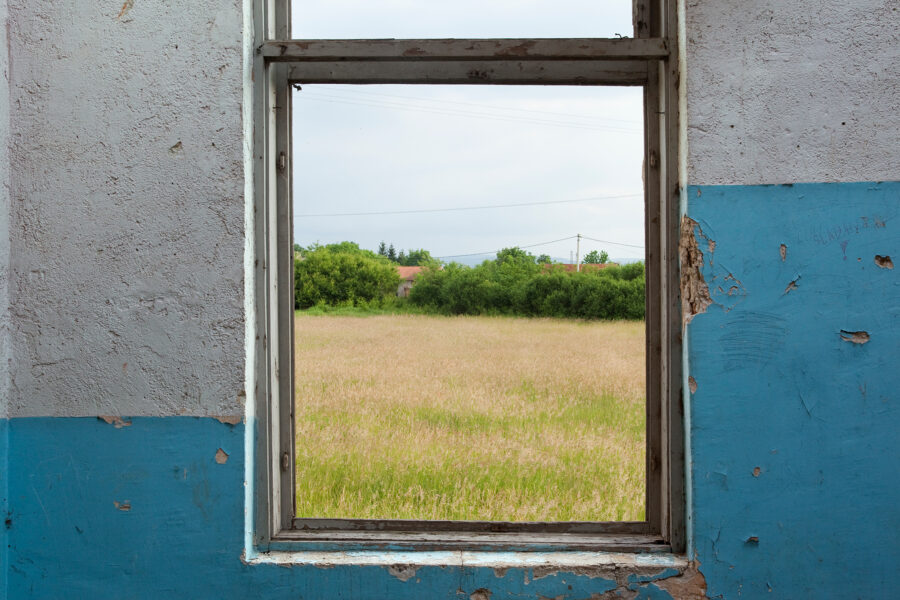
(694,291)
(884,262)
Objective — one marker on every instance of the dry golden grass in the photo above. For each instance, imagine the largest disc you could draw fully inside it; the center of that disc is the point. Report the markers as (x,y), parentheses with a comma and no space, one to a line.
(475,418)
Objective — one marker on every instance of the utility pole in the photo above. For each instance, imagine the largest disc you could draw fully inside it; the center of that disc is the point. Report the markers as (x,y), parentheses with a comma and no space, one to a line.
(578,253)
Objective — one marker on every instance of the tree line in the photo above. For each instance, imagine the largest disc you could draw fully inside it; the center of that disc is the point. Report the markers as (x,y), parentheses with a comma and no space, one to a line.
(515,283)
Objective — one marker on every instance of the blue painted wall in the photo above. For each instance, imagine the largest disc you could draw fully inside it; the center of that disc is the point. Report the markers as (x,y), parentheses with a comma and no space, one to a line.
(778,389)
(144,511)
(4,505)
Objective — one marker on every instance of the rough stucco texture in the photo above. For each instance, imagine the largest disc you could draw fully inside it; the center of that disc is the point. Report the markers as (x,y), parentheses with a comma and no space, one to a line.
(784,92)
(126,247)
(4,217)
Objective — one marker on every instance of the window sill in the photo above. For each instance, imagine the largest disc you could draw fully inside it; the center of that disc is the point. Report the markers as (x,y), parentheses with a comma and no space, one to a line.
(474,559)
(459,543)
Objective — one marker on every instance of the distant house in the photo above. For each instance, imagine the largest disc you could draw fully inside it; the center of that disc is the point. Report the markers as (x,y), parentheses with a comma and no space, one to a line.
(407,278)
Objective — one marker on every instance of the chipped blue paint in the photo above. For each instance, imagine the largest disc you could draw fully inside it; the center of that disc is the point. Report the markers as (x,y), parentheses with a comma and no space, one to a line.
(4,506)
(644,587)
(636,579)
(652,592)
(144,511)
(778,389)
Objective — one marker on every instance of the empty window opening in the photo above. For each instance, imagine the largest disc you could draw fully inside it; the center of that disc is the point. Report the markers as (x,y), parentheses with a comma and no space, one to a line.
(470,338)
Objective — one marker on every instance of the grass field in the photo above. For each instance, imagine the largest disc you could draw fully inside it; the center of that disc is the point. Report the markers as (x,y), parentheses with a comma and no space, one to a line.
(475,418)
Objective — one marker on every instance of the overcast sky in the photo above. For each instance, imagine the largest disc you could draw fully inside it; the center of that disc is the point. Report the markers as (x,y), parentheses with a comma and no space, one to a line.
(363,149)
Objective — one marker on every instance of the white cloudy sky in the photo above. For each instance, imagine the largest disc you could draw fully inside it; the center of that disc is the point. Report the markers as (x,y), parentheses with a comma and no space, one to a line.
(363,149)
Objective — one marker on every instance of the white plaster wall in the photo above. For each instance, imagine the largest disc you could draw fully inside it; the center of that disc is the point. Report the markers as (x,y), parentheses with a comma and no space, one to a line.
(4,219)
(127,221)
(800,91)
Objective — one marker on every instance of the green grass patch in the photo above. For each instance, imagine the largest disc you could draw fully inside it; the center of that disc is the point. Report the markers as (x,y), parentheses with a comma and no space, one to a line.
(469,418)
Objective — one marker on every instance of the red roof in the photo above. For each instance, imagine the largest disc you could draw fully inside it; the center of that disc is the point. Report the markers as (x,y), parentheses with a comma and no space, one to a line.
(408,273)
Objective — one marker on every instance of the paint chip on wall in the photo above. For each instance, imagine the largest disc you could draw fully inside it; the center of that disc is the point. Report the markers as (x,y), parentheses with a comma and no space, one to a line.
(402,572)
(791,286)
(884,262)
(126,6)
(117,422)
(221,456)
(855,337)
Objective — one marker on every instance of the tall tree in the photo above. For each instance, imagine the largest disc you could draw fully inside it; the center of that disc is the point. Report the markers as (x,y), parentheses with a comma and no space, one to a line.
(595,258)
(514,255)
(418,258)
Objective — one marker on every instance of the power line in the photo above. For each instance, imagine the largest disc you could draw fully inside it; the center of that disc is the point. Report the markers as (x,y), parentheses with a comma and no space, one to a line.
(462,113)
(460,208)
(613,243)
(493,251)
(357,90)
(571,237)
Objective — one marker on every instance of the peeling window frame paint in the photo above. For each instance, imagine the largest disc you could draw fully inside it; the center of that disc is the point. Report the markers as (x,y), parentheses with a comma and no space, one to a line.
(650,60)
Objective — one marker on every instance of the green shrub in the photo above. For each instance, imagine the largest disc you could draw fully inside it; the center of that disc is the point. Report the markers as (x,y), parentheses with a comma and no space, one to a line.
(342,274)
(516,284)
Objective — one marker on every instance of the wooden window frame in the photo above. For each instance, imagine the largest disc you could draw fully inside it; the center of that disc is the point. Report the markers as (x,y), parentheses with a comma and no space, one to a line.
(649,59)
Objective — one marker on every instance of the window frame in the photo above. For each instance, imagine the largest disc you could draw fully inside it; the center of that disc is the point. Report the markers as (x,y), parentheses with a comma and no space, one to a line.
(648,59)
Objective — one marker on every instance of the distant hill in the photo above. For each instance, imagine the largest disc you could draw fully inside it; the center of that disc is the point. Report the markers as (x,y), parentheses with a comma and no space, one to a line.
(473,261)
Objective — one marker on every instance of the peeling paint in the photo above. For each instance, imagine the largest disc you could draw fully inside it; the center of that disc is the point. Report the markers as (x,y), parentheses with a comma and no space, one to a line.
(683,582)
(855,337)
(176,148)
(117,422)
(123,506)
(690,585)
(791,286)
(782,250)
(756,471)
(884,262)
(692,383)
(221,456)
(694,292)
(481,594)
(402,572)
(229,419)
(635,579)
